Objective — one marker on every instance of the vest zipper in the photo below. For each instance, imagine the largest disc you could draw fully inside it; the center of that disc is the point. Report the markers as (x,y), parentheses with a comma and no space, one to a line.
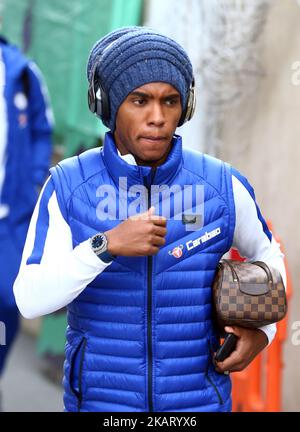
(215,388)
(209,379)
(149,303)
(79,394)
(149,333)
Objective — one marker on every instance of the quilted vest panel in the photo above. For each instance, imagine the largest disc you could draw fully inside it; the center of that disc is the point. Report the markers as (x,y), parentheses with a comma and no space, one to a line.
(140,336)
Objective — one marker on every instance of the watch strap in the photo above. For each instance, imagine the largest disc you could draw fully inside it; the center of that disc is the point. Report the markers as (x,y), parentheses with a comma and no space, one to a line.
(106,256)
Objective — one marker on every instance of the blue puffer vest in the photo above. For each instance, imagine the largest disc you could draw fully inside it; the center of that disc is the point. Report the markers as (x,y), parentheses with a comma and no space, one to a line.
(140,336)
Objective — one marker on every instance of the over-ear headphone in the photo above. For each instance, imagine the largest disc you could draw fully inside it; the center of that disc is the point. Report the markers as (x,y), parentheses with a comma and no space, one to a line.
(97,98)
(189,111)
(99,103)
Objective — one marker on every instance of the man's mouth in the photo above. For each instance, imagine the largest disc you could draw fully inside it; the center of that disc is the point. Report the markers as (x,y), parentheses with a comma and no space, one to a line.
(153,138)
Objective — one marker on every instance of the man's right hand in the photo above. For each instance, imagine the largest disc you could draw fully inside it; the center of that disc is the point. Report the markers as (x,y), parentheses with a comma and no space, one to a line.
(139,235)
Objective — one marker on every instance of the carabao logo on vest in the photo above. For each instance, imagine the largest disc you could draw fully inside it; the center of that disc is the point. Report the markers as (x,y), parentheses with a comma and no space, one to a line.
(192,244)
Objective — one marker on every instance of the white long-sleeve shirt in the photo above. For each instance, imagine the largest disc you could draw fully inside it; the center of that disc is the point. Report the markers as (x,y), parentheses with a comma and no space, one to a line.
(62,273)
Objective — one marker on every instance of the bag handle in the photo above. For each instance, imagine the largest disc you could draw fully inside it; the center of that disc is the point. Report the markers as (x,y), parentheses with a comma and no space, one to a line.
(234,274)
(260,264)
(264,266)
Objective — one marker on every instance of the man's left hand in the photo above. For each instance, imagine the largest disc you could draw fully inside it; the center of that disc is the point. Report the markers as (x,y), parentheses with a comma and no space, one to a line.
(249,344)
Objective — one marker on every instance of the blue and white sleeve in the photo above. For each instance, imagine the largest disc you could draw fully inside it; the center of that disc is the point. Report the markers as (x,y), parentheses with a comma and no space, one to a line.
(252,237)
(52,273)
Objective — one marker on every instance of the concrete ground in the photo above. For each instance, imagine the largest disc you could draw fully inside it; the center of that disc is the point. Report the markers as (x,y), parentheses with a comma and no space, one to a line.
(24,388)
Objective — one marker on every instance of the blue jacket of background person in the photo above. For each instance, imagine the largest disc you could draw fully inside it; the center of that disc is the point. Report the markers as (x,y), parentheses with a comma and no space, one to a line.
(140,337)
(28,139)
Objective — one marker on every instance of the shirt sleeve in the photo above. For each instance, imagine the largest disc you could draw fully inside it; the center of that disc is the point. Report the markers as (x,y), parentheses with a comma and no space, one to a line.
(252,237)
(52,273)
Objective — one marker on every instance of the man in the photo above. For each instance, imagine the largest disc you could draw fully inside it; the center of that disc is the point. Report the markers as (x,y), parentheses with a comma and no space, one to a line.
(135,268)
(25,149)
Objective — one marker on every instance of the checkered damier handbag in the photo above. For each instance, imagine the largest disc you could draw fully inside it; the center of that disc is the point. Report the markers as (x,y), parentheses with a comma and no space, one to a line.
(248,294)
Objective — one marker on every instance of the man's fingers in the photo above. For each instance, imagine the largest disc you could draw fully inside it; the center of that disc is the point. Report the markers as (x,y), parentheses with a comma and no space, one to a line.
(238,331)
(159,231)
(150,215)
(151,211)
(236,361)
(231,363)
(153,250)
(159,220)
(158,241)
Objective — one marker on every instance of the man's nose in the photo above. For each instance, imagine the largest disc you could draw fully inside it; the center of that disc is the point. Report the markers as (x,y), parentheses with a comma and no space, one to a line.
(156,114)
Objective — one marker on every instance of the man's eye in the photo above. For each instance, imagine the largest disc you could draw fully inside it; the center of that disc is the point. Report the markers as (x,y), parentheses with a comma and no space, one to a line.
(139,101)
(171,101)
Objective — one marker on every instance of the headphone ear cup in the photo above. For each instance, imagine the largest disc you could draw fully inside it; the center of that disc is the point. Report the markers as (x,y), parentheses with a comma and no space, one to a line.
(102,105)
(91,99)
(191,106)
(188,113)
(97,99)
(98,103)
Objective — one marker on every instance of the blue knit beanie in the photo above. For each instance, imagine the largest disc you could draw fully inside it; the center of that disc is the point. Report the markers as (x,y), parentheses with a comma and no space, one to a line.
(130,57)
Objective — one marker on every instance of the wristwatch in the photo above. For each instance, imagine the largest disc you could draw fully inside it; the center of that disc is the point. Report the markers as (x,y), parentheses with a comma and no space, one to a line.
(99,246)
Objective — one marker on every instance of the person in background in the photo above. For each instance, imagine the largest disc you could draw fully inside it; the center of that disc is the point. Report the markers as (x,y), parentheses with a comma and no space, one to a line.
(26,125)
(135,269)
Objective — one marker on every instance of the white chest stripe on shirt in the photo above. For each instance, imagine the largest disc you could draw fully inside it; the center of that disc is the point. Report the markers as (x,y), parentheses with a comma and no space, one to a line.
(32,229)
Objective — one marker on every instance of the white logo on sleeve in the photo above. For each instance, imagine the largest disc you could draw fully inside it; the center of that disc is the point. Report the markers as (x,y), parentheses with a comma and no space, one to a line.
(20,101)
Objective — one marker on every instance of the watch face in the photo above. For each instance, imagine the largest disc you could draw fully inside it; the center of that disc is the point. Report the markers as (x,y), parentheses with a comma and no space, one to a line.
(97,241)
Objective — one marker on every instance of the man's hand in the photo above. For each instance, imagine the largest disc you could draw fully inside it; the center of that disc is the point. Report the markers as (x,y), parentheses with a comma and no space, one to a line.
(250,343)
(139,235)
